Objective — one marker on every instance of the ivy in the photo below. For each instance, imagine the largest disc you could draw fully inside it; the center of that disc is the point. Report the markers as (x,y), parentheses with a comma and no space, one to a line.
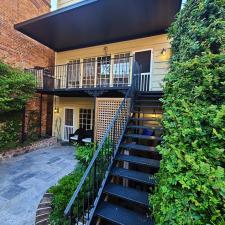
(191,180)
(16,87)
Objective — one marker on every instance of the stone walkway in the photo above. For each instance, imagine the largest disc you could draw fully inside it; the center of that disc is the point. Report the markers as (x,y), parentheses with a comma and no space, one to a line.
(24,180)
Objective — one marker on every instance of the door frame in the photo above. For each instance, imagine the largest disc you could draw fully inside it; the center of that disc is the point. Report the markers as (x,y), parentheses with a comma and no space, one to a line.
(64,120)
(151,61)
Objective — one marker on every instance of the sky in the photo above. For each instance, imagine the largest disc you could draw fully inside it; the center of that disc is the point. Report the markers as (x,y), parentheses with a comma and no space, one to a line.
(54,4)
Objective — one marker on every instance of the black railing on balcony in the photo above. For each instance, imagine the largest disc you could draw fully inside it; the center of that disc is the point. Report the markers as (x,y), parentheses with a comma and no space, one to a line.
(82,205)
(88,73)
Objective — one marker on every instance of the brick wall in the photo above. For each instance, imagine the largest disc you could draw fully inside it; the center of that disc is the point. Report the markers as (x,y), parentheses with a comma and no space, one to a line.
(21,51)
(42,105)
(15,48)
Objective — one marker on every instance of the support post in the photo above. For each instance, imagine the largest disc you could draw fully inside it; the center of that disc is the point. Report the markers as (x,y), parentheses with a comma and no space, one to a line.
(23,125)
(40,116)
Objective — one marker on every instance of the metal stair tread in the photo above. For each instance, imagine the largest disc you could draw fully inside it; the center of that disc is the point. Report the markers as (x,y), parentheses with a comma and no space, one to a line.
(141,136)
(147,100)
(121,216)
(145,127)
(133,175)
(139,160)
(138,147)
(144,119)
(148,106)
(130,194)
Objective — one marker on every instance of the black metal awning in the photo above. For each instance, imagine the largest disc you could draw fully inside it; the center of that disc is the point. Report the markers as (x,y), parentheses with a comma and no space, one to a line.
(95,22)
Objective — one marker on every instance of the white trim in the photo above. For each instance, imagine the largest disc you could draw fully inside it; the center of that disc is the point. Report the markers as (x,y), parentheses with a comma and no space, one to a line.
(111,70)
(92,116)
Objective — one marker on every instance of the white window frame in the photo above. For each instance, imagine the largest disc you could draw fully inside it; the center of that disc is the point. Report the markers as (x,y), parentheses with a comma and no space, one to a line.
(92,118)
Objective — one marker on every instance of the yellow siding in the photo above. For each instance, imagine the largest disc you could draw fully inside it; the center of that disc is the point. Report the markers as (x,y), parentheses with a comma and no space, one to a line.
(156,43)
(63,3)
(71,103)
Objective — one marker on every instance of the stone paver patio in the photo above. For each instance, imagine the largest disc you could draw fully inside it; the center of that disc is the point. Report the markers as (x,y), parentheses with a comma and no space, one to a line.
(24,180)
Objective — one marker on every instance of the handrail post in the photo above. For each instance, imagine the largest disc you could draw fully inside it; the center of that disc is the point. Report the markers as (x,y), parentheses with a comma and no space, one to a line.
(111,84)
(81,73)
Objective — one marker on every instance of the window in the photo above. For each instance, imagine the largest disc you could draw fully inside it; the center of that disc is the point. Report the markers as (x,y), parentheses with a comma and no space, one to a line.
(86,119)
(73,73)
(121,69)
(69,117)
(103,71)
(89,72)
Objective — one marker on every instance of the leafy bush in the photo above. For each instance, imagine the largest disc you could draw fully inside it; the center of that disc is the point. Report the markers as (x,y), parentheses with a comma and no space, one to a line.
(16,87)
(10,133)
(63,191)
(191,181)
(84,153)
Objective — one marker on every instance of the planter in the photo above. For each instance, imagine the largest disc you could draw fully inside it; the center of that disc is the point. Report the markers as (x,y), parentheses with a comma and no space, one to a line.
(44,209)
(32,147)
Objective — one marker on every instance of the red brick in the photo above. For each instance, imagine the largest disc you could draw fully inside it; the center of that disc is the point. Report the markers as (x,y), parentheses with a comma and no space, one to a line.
(15,48)
(21,51)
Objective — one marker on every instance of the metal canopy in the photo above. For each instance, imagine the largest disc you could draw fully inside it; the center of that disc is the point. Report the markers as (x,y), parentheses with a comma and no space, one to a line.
(94,22)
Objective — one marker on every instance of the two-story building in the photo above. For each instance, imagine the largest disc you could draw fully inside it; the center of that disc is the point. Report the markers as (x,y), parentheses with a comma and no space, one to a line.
(96,43)
(111,57)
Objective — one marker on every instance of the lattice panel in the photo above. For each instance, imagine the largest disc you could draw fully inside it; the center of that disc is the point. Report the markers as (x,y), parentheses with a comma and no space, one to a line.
(106,109)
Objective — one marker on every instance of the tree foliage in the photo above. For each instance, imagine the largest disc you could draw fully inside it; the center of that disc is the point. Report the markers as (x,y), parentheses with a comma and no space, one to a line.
(16,87)
(191,180)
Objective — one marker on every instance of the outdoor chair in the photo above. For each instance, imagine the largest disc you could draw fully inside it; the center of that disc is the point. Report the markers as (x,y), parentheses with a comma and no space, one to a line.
(77,136)
(89,137)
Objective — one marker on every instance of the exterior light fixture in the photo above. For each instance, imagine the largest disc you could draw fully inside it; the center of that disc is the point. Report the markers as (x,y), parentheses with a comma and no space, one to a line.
(163,52)
(56,109)
(105,50)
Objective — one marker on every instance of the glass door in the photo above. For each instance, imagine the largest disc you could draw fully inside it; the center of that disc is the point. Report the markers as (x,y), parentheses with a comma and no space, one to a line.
(143,60)
(69,123)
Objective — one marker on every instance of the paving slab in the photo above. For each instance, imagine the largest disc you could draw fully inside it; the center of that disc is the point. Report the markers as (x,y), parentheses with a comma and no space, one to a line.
(24,180)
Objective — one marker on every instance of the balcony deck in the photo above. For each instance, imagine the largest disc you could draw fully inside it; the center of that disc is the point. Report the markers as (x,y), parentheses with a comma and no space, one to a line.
(91,77)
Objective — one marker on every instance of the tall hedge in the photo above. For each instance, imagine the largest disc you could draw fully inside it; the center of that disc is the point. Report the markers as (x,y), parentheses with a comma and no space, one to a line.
(191,180)
(16,87)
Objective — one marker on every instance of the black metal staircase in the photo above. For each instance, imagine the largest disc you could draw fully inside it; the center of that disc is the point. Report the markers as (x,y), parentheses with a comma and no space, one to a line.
(116,185)
(124,199)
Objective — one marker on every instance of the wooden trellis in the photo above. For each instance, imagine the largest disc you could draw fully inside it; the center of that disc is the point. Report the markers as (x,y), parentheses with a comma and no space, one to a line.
(106,109)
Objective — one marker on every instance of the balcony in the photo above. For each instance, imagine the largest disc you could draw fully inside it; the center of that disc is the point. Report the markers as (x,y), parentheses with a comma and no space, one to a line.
(101,73)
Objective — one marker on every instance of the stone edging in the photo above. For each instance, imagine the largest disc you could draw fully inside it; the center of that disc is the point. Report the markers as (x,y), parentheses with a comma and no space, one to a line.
(44,209)
(34,146)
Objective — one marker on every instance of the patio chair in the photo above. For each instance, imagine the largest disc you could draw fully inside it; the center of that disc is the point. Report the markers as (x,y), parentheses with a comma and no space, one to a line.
(89,137)
(78,135)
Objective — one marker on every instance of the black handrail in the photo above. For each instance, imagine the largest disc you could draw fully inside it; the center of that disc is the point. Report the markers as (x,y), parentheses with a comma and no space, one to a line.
(89,73)
(83,203)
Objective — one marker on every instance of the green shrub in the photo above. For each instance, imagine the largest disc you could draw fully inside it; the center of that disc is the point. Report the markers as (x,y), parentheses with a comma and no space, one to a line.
(10,130)
(191,180)
(63,191)
(84,153)
(16,87)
